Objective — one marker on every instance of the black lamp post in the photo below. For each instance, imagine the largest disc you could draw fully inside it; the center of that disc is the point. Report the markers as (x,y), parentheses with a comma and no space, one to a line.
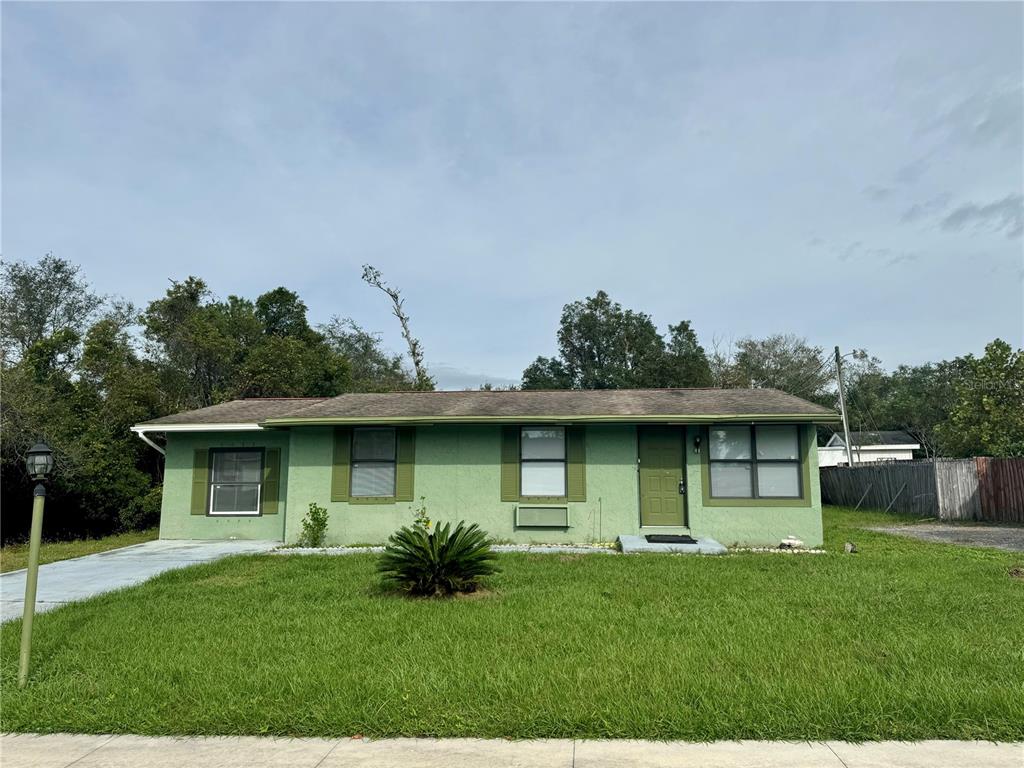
(39,463)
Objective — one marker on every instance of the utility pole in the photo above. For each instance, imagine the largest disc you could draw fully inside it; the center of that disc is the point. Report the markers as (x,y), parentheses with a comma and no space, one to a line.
(842,409)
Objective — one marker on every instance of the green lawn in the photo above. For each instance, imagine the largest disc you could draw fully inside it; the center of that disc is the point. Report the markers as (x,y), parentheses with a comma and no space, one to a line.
(15,556)
(904,640)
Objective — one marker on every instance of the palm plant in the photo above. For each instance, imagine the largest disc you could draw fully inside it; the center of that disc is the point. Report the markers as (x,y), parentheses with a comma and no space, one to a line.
(441,562)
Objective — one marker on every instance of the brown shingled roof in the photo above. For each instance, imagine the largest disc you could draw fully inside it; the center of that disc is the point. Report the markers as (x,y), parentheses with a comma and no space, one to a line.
(554,405)
(248,411)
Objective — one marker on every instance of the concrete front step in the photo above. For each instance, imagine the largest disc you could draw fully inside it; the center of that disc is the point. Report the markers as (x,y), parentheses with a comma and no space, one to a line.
(638,544)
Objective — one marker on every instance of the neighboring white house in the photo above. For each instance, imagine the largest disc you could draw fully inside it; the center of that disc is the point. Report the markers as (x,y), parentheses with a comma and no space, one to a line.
(868,446)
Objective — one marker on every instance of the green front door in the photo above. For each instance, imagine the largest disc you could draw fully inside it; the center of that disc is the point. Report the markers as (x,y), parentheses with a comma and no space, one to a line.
(661,476)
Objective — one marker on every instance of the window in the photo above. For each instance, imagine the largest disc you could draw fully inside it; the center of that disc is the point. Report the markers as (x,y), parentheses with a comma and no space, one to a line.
(373,461)
(542,461)
(236,482)
(755,462)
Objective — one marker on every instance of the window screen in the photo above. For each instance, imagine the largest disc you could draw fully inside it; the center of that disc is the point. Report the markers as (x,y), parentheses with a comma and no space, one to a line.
(755,462)
(542,454)
(235,481)
(373,461)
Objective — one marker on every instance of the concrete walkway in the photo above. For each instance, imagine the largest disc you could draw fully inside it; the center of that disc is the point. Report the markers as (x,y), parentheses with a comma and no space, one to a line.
(84,577)
(60,750)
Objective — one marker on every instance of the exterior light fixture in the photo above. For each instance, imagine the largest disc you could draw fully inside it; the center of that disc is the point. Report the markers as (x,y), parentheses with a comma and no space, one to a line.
(39,461)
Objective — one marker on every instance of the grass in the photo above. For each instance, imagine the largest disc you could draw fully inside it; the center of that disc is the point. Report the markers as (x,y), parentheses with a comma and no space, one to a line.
(15,556)
(905,640)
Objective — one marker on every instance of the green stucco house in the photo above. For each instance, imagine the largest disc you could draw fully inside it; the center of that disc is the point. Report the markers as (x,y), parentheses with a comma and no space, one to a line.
(739,466)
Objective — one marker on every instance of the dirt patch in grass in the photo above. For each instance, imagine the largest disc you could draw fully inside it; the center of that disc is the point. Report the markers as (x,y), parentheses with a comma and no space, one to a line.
(1017,572)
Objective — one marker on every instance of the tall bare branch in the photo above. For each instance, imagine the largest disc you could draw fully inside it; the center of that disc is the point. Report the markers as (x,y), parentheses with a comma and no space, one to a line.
(372,276)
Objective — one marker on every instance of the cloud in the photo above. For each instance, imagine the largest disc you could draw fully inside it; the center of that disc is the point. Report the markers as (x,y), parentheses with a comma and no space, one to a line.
(851,251)
(859,253)
(912,171)
(1006,215)
(992,117)
(486,157)
(927,209)
(452,377)
(904,257)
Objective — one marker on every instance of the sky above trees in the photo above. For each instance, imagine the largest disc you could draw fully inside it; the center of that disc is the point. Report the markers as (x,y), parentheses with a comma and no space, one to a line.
(847,173)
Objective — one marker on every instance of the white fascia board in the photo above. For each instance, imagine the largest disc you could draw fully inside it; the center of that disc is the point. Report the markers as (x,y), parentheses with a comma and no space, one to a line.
(248,427)
(908,447)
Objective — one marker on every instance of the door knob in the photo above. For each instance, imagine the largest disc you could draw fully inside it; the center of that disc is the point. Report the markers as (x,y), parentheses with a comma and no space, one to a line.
(682,486)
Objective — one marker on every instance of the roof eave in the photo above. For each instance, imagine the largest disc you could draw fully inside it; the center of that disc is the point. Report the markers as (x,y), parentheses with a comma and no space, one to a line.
(226,427)
(803,418)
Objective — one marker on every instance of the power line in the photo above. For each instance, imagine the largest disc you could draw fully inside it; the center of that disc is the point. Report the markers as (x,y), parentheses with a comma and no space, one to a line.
(801,388)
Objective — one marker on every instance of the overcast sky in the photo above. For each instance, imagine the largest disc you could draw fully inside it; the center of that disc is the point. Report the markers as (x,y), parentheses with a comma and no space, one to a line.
(850,173)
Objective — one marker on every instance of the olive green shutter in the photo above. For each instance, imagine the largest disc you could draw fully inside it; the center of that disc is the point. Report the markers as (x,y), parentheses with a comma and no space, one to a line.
(340,464)
(576,460)
(405,469)
(510,463)
(200,480)
(271,493)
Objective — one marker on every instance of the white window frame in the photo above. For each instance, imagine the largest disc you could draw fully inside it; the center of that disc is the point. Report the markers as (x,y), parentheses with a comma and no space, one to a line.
(564,461)
(353,461)
(213,483)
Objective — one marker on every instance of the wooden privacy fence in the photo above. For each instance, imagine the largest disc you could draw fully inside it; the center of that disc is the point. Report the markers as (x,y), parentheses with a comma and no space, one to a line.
(1001,488)
(950,489)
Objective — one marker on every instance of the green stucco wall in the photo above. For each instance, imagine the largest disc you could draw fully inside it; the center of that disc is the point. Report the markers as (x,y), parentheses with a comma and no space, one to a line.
(176,520)
(458,472)
(755,525)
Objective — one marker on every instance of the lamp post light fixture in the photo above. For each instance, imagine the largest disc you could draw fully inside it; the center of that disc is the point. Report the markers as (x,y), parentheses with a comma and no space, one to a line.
(39,463)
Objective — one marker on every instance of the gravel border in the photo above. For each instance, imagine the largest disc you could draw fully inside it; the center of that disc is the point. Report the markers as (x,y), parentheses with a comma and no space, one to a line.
(533,549)
(778,551)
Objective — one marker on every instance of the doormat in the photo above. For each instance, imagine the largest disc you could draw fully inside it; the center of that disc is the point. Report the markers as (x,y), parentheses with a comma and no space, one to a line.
(665,538)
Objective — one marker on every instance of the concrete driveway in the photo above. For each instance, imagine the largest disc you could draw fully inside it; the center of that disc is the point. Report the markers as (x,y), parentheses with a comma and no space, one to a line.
(85,577)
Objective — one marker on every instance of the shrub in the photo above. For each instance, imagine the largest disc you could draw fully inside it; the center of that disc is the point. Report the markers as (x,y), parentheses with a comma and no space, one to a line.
(441,562)
(143,512)
(314,526)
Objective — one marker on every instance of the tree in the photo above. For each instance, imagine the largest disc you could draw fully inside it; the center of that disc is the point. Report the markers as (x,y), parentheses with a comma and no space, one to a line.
(104,477)
(289,367)
(37,301)
(372,276)
(218,350)
(987,416)
(185,338)
(603,346)
(917,399)
(786,362)
(372,368)
(547,373)
(867,387)
(687,363)
(282,313)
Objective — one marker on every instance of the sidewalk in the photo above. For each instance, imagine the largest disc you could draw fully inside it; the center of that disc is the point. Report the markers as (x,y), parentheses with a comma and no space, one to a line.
(61,750)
